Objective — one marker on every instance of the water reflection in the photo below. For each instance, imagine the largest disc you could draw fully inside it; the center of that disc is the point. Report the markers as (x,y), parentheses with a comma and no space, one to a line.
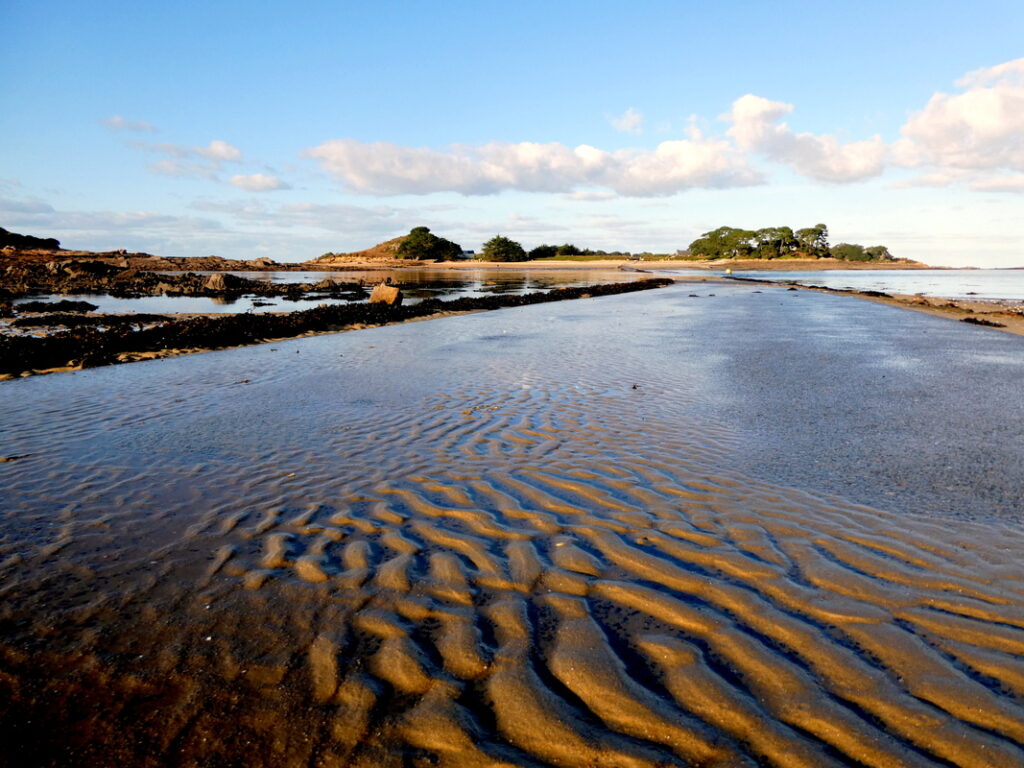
(416,285)
(948,283)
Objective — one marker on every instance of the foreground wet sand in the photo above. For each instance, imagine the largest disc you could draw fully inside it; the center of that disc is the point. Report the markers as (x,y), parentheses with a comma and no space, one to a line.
(722,525)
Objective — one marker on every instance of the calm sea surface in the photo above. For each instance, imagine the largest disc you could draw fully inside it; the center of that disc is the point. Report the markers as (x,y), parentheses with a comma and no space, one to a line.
(950,283)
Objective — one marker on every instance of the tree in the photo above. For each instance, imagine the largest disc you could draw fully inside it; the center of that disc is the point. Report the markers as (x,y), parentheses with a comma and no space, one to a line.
(544,252)
(879,253)
(849,252)
(568,249)
(813,240)
(773,242)
(722,243)
(421,244)
(500,248)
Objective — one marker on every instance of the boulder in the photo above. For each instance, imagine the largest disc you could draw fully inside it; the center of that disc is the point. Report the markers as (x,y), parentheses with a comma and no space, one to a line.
(219,281)
(386,294)
(215,282)
(326,285)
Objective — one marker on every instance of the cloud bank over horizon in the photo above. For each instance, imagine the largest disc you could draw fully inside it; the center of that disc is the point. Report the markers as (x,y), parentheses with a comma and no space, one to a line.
(975,137)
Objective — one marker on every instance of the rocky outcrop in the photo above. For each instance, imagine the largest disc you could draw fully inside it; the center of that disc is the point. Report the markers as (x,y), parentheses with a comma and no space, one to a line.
(83,268)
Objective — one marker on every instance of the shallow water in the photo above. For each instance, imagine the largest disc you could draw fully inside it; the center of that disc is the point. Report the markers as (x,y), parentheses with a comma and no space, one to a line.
(745,527)
(416,284)
(948,283)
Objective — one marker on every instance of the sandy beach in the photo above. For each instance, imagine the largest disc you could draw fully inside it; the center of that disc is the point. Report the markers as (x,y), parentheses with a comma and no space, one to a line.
(597,532)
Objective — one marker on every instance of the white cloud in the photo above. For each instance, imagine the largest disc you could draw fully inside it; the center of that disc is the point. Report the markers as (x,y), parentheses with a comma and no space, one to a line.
(1000,183)
(257,182)
(191,161)
(980,129)
(8,205)
(183,168)
(590,197)
(673,166)
(118,123)
(756,127)
(219,150)
(328,217)
(630,121)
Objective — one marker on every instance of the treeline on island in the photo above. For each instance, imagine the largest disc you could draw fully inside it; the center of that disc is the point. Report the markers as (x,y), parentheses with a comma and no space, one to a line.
(723,243)
(422,245)
(780,243)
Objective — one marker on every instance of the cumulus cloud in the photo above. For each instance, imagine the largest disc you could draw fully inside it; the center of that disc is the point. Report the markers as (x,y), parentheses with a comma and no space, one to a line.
(757,127)
(219,150)
(978,129)
(389,169)
(119,124)
(257,182)
(630,121)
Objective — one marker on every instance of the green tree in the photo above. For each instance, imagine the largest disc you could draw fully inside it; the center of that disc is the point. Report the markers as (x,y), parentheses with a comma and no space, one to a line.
(849,252)
(544,252)
(773,242)
(878,253)
(421,244)
(722,243)
(500,248)
(568,249)
(814,241)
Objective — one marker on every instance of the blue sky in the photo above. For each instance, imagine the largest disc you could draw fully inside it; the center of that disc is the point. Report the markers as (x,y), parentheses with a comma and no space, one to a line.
(287,130)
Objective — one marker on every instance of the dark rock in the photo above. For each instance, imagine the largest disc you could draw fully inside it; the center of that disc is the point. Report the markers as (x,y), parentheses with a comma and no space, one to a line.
(982,321)
(28,242)
(56,306)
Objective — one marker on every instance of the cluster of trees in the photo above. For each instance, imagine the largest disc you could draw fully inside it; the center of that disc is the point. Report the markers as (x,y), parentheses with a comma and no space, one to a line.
(780,242)
(568,249)
(851,252)
(421,244)
(500,248)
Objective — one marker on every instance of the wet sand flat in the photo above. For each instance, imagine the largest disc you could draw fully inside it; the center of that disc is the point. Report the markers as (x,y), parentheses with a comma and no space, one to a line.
(720,525)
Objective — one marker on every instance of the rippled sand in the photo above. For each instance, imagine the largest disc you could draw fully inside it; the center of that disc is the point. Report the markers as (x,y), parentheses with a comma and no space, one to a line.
(488,541)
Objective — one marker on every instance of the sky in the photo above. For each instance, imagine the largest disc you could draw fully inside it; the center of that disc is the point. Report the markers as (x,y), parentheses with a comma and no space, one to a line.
(248,129)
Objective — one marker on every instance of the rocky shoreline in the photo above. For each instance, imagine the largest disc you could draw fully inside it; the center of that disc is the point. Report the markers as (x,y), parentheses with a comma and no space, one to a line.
(138,339)
(117,277)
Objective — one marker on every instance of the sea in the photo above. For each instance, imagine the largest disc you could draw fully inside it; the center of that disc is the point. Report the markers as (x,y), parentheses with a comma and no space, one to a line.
(948,283)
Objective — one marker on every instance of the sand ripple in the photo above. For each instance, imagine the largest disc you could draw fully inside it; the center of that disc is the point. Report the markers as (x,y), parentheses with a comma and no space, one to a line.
(502,578)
